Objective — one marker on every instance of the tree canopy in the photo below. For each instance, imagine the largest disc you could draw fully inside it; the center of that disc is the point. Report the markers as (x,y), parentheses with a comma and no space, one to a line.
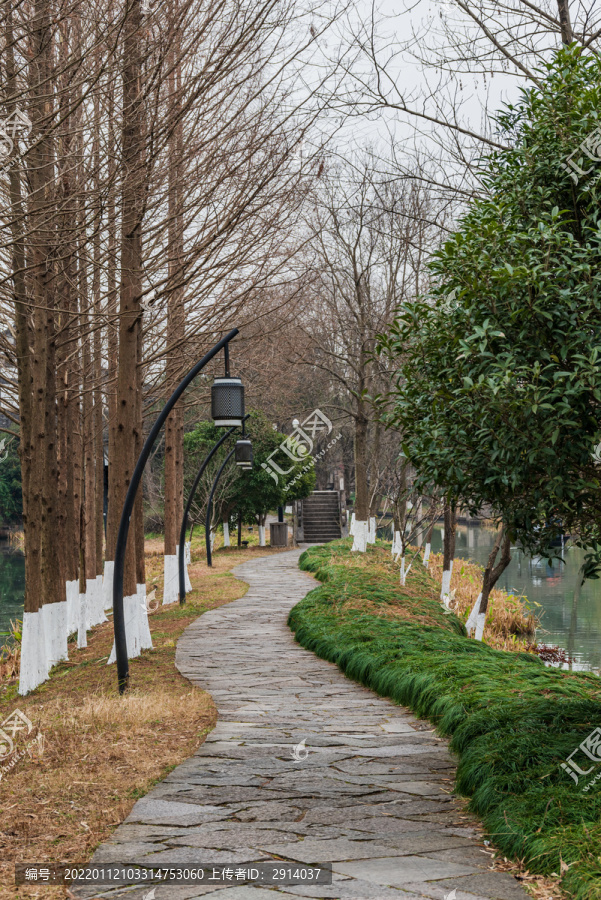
(498,385)
(252,493)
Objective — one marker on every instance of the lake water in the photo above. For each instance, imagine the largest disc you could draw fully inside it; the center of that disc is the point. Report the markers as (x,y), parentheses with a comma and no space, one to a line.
(549,586)
(12,586)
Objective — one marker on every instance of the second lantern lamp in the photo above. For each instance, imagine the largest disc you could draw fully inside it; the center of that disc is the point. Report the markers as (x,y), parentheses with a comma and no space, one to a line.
(227,411)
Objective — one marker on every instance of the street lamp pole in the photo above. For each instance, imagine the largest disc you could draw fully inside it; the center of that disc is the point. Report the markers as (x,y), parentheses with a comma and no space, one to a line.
(118,613)
(210,506)
(182,534)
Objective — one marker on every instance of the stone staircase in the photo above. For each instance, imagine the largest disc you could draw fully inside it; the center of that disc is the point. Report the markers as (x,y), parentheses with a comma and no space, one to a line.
(321,517)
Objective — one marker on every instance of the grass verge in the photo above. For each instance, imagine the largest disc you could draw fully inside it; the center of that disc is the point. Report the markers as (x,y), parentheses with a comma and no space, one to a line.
(511,720)
(102,752)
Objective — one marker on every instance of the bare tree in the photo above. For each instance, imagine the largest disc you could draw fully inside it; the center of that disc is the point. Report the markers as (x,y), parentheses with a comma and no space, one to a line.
(367,242)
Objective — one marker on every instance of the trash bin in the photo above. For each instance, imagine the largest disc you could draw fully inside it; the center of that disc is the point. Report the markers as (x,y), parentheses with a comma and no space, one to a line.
(278,534)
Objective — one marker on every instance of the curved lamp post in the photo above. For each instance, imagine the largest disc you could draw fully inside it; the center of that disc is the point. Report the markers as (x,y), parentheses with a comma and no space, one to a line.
(182,533)
(210,506)
(244,458)
(118,614)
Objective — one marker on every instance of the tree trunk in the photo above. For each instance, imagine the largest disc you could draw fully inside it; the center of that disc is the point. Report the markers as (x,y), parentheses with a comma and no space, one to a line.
(138,513)
(34,661)
(97,350)
(112,518)
(130,290)
(174,427)
(361,453)
(361,525)
(567,35)
(492,573)
(428,546)
(93,589)
(89,495)
(22,307)
(450,528)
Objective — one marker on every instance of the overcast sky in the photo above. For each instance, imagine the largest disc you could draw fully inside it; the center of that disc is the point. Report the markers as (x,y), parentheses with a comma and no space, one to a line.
(397,22)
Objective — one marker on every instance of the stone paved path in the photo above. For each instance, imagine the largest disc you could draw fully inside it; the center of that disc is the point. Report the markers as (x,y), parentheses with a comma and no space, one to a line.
(372,796)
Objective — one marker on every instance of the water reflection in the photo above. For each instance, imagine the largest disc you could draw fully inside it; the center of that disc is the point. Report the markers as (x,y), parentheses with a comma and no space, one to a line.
(576,628)
(12,586)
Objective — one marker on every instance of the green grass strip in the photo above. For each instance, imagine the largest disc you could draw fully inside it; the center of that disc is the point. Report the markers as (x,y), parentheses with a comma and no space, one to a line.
(511,720)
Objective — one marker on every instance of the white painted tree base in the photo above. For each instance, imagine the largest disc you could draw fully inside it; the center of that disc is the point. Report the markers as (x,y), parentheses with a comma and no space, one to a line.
(187,555)
(404,572)
(107,584)
(397,544)
(359,537)
(82,638)
(226,534)
(144,627)
(46,617)
(371,531)
(261,535)
(426,558)
(33,669)
(480,622)
(446,586)
(351,528)
(171,580)
(95,614)
(72,594)
(132,628)
(100,598)
(472,619)
(58,633)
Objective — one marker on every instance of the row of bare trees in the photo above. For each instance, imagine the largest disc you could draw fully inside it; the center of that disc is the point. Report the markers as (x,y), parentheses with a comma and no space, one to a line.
(150,190)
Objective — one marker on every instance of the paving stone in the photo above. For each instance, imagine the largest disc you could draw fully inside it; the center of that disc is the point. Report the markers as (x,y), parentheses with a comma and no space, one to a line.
(133,832)
(399,870)
(496,885)
(340,815)
(470,852)
(367,787)
(165,812)
(202,856)
(397,727)
(386,826)
(435,845)
(124,852)
(224,839)
(351,889)
(437,890)
(417,807)
(309,851)
(246,892)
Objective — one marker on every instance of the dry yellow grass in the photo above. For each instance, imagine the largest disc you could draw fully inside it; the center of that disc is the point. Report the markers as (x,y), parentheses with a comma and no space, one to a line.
(510,622)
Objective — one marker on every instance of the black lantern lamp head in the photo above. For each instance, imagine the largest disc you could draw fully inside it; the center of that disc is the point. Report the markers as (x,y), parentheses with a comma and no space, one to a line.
(227,398)
(244,454)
